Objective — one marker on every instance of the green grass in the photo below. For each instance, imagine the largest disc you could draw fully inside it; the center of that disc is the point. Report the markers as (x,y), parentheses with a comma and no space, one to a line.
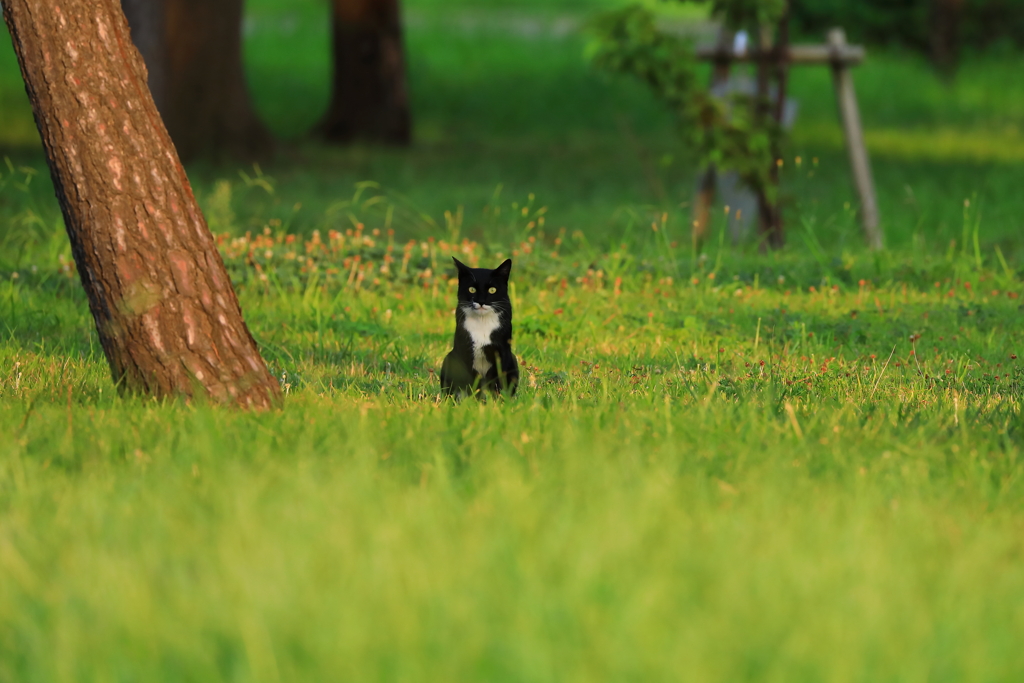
(721,478)
(722,466)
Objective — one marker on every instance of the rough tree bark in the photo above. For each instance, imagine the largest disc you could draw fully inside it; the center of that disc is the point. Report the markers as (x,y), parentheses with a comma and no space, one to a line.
(167,316)
(193,50)
(369,98)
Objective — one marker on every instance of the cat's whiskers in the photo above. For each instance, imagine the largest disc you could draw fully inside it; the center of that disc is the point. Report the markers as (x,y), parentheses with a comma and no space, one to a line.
(481,310)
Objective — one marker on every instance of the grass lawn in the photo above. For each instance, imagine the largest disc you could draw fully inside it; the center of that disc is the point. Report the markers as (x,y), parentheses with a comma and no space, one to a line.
(722,466)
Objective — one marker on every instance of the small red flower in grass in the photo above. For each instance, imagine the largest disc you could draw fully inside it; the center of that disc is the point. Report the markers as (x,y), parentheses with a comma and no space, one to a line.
(1013,356)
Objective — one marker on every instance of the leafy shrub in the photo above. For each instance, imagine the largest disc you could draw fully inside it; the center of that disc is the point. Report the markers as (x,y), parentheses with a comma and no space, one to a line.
(908,23)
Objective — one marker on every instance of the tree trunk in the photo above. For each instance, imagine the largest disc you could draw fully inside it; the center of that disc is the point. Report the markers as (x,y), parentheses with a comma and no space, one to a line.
(209,110)
(148,20)
(769,213)
(777,235)
(193,49)
(945,34)
(369,98)
(167,317)
(702,207)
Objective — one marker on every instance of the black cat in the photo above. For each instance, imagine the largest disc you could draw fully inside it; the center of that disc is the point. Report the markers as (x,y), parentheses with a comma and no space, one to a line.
(482,359)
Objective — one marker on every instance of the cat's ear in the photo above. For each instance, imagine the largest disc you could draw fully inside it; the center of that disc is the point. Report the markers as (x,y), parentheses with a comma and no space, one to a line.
(504,269)
(462,267)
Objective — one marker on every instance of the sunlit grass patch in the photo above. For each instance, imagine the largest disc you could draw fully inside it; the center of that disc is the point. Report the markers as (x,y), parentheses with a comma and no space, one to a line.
(1000,144)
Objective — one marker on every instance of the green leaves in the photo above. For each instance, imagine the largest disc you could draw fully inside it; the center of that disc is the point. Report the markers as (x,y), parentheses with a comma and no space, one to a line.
(732,132)
(628,41)
(743,14)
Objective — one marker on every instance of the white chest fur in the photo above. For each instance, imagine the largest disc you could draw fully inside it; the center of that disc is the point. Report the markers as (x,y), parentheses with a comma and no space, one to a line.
(481,324)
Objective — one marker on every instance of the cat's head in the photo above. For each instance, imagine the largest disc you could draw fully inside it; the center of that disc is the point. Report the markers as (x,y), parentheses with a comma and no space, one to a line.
(483,291)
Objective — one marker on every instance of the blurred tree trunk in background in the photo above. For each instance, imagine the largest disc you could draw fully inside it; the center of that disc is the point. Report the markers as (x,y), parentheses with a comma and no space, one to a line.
(944,34)
(149,33)
(208,107)
(193,49)
(165,311)
(369,98)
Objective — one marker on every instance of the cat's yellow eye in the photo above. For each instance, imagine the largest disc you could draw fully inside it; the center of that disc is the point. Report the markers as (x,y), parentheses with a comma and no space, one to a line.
(492,290)
(472,290)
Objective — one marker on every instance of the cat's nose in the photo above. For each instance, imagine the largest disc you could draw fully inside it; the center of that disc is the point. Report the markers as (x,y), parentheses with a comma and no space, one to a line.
(477,306)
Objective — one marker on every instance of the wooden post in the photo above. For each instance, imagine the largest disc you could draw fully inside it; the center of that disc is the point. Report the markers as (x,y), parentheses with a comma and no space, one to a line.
(702,206)
(709,181)
(850,114)
(776,234)
(770,236)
